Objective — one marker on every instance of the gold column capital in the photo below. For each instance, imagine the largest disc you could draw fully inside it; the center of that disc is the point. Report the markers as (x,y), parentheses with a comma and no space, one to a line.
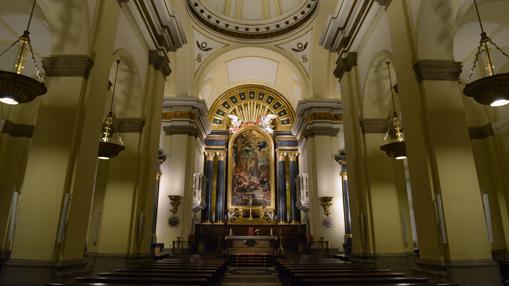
(210,156)
(281,155)
(221,155)
(293,156)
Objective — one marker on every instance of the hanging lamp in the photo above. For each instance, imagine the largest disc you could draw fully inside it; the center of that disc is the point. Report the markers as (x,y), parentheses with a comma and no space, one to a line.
(16,88)
(111,143)
(492,90)
(396,147)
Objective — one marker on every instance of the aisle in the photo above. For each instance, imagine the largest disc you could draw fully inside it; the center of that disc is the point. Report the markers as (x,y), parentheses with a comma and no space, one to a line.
(251,276)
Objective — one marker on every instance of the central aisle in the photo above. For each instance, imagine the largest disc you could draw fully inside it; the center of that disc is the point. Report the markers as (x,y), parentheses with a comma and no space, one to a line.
(251,276)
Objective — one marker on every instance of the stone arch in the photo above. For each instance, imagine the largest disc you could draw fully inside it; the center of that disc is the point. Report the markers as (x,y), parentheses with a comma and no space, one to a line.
(129,91)
(376,97)
(292,79)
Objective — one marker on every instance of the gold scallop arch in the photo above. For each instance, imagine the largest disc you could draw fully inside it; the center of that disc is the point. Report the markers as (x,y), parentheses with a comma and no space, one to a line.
(250,102)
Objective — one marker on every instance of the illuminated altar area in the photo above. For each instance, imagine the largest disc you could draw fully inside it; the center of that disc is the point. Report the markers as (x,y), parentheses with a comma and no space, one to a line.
(260,172)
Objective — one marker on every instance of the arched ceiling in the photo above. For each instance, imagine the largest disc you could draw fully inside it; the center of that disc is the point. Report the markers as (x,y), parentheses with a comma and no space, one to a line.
(251,65)
(252,19)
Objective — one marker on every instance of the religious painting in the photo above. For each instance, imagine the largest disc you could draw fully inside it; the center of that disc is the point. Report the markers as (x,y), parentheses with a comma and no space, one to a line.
(251,170)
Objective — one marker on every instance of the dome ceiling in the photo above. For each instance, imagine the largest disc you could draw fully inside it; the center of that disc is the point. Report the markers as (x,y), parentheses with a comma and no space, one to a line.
(253,19)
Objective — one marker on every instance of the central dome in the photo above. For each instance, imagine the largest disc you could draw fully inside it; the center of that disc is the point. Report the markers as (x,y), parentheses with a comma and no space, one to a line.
(254,10)
(252,19)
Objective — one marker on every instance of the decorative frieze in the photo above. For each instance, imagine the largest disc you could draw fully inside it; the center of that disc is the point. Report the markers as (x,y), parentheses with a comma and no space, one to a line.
(318,117)
(185,115)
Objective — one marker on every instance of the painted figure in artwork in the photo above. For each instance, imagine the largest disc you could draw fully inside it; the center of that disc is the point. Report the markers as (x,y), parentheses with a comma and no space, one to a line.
(251,170)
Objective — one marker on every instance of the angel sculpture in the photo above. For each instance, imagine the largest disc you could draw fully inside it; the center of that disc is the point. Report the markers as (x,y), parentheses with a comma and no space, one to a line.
(235,123)
(266,122)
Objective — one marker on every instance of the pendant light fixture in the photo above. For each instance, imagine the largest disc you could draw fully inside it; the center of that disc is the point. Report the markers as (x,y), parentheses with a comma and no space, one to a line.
(395,148)
(16,88)
(111,143)
(492,90)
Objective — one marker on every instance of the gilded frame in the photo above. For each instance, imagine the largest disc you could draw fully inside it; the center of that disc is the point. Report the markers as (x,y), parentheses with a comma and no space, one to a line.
(272,169)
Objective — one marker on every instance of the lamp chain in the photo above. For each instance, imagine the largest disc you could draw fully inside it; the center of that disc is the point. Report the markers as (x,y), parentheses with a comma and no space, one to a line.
(391,88)
(485,40)
(114,86)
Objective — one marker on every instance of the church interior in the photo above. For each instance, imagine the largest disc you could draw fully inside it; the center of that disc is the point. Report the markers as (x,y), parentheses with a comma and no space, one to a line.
(254,142)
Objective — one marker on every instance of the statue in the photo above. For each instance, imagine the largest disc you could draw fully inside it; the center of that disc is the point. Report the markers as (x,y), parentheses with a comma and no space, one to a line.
(266,122)
(235,123)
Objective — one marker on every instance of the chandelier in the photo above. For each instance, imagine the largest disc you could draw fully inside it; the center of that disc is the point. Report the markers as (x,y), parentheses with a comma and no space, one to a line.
(111,143)
(395,148)
(16,88)
(492,90)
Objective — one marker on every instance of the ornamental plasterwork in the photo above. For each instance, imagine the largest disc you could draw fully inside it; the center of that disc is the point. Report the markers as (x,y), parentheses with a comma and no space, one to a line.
(300,49)
(203,47)
(252,29)
(252,105)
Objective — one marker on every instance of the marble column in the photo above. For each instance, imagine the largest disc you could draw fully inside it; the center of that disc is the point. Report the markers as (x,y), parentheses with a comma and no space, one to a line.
(281,187)
(209,174)
(220,189)
(341,159)
(294,172)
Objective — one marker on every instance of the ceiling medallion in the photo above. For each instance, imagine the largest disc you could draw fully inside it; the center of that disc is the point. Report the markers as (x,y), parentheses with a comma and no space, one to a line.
(15,87)
(252,29)
(493,89)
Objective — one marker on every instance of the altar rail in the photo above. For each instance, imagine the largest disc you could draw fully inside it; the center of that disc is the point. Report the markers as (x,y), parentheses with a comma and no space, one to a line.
(212,235)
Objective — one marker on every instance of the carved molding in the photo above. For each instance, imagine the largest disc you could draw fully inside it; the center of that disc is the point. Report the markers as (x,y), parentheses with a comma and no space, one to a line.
(342,29)
(374,125)
(437,70)
(317,117)
(16,130)
(345,64)
(67,65)
(160,62)
(185,115)
(383,2)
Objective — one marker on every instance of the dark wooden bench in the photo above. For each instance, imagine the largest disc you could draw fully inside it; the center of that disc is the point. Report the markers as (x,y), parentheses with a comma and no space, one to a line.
(145,280)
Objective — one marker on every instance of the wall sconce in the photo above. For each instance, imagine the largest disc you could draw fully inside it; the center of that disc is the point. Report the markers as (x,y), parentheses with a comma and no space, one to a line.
(174,219)
(326,203)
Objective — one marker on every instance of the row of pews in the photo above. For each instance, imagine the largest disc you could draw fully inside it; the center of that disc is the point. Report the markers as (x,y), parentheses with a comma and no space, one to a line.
(176,271)
(314,271)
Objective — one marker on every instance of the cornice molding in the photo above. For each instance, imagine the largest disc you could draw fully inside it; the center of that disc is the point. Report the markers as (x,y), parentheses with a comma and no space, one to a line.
(185,115)
(159,60)
(160,27)
(446,70)
(374,125)
(345,64)
(318,117)
(16,130)
(67,65)
(341,30)
(129,124)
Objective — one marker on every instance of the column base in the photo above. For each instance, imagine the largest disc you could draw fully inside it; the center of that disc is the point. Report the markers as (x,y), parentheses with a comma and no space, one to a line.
(465,273)
(36,272)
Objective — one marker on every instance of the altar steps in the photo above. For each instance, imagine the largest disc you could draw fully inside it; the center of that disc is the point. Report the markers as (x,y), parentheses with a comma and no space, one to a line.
(251,260)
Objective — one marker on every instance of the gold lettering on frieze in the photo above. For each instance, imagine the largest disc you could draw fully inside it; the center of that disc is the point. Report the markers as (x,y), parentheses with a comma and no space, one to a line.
(323,116)
(179,115)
